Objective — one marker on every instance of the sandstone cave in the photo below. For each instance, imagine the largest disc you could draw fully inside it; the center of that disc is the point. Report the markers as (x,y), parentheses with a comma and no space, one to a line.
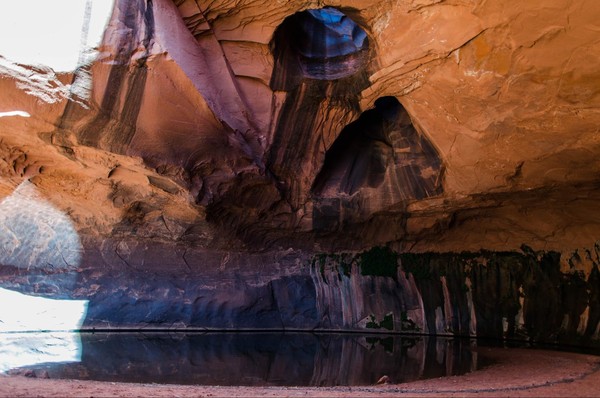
(333,198)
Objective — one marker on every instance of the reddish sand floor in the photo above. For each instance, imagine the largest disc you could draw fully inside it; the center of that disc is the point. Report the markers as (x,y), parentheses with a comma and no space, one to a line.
(515,373)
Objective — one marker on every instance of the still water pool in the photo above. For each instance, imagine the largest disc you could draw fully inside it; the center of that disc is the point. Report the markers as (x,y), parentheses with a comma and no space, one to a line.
(249,359)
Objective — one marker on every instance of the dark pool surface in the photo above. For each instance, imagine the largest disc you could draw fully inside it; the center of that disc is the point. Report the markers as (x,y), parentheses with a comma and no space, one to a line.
(261,359)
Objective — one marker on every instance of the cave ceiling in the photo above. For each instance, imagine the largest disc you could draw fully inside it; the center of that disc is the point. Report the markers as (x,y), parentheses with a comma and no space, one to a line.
(427,124)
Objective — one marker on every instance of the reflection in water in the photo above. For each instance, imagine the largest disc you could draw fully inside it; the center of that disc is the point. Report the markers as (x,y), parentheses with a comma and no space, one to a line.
(23,349)
(22,313)
(258,359)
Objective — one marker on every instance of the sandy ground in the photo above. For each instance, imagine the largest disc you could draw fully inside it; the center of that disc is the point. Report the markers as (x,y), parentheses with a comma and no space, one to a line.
(516,373)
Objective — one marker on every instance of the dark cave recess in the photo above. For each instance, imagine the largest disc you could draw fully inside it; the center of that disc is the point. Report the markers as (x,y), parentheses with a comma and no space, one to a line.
(321,44)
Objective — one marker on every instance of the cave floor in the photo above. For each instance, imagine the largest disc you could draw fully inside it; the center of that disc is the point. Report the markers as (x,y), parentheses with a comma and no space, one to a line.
(515,372)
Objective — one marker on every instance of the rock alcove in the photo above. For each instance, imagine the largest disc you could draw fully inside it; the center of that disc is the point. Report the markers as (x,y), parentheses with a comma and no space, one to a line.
(236,165)
(378,161)
(320,62)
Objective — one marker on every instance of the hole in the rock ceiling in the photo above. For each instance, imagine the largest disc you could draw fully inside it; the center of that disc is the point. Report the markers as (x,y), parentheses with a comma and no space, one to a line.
(322,44)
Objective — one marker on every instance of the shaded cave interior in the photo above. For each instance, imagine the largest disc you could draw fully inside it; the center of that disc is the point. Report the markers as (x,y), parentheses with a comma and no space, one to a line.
(377,158)
(320,44)
(340,176)
(378,161)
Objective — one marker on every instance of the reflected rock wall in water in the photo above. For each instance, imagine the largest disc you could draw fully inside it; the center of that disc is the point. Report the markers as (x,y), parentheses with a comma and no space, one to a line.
(29,349)
(263,359)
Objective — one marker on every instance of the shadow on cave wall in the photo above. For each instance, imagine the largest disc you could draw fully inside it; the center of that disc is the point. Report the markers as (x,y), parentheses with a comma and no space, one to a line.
(322,60)
(515,295)
(142,284)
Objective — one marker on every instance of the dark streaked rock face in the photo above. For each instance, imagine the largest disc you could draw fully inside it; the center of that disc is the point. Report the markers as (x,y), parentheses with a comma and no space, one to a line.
(115,113)
(377,162)
(322,44)
(320,60)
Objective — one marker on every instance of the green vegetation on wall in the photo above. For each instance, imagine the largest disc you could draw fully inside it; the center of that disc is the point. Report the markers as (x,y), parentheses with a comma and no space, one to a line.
(387,343)
(379,261)
(386,323)
(408,325)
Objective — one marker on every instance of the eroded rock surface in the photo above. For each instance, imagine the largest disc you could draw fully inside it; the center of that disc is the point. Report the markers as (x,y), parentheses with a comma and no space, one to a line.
(251,130)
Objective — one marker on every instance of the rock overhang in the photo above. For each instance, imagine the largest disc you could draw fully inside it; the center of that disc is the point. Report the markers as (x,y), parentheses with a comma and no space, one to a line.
(475,82)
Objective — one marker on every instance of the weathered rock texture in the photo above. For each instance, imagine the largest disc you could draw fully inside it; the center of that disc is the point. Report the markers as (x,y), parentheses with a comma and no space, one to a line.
(225,143)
